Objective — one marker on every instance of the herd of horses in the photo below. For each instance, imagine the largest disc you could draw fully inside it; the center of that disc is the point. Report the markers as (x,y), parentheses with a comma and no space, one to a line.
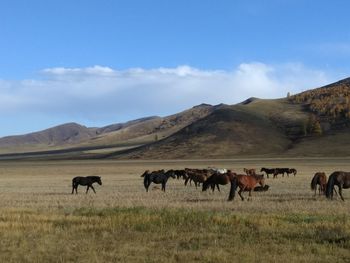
(213,177)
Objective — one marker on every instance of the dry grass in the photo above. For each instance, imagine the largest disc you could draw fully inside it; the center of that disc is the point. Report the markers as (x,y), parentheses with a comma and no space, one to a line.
(40,221)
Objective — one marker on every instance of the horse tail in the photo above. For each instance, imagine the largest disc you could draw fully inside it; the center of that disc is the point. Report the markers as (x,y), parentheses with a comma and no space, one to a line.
(330,186)
(146,179)
(314,183)
(233,189)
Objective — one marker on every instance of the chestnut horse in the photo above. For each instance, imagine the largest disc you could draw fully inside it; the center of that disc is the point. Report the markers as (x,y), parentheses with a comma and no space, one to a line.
(245,183)
(339,178)
(321,180)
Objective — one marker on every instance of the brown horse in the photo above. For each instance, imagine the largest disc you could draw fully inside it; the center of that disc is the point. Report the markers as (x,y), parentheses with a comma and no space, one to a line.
(198,176)
(320,179)
(249,171)
(339,178)
(245,183)
(217,179)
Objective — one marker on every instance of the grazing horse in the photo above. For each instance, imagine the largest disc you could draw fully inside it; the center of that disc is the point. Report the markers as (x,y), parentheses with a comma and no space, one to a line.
(245,183)
(88,180)
(268,171)
(249,171)
(180,173)
(281,171)
(320,179)
(198,176)
(216,179)
(339,178)
(157,177)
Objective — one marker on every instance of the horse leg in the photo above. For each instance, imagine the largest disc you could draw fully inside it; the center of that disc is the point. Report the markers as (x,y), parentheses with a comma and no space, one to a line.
(87,189)
(240,193)
(250,195)
(186,181)
(93,188)
(217,186)
(163,187)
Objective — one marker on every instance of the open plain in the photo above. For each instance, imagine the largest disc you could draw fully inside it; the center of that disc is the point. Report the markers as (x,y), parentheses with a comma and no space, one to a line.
(41,221)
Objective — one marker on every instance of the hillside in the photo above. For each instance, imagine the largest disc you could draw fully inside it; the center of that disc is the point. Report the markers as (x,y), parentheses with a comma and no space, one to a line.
(120,136)
(230,131)
(302,125)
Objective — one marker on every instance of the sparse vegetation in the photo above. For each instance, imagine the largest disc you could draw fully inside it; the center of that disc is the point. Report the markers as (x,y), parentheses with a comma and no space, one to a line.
(42,222)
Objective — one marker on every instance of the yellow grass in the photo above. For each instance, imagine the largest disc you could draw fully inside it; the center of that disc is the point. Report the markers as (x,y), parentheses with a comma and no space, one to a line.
(40,221)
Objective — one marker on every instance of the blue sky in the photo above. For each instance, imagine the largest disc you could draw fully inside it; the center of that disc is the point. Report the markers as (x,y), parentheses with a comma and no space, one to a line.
(99,62)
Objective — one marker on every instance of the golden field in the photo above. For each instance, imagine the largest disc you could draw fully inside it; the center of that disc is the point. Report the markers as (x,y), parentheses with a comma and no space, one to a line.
(41,221)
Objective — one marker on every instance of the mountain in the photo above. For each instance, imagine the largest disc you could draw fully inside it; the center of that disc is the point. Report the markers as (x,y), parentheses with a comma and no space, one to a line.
(313,123)
(120,135)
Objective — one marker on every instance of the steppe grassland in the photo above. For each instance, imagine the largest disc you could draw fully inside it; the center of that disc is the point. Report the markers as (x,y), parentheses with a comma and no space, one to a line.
(40,221)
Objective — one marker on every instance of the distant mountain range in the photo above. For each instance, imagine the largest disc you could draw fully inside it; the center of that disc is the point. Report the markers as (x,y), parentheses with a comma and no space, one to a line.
(313,123)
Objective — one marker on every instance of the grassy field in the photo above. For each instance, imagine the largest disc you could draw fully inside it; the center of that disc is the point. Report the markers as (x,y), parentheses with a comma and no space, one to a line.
(40,221)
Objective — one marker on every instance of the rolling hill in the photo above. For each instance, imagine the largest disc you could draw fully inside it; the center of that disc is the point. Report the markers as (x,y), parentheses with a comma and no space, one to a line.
(313,123)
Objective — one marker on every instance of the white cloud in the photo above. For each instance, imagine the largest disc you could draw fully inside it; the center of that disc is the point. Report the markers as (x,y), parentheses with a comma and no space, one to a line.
(102,93)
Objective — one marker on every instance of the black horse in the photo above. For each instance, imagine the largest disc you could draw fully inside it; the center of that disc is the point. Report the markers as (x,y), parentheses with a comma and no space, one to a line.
(339,178)
(268,171)
(88,180)
(157,177)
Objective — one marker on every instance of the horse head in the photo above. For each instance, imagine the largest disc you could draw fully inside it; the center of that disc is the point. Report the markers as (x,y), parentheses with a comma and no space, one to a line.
(99,180)
(146,172)
(171,173)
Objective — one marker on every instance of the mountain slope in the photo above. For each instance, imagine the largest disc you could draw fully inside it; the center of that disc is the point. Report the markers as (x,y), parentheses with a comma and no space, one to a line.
(129,134)
(227,132)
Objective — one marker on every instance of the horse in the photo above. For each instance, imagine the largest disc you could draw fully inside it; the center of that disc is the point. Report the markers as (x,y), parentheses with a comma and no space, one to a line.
(280,171)
(216,179)
(180,173)
(218,170)
(198,176)
(245,183)
(157,177)
(339,178)
(320,179)
(249,171)
(292,171)
(88,180)
(268,171)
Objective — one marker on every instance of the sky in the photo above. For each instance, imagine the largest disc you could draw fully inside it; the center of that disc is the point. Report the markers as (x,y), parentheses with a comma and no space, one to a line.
(99,62)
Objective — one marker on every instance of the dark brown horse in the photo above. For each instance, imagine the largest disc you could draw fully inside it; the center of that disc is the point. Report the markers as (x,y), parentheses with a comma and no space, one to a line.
(217,179)
(198,176)
(319,179)
(88,180)
(268,171)
(157,177)
(339,178)
(245,183)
